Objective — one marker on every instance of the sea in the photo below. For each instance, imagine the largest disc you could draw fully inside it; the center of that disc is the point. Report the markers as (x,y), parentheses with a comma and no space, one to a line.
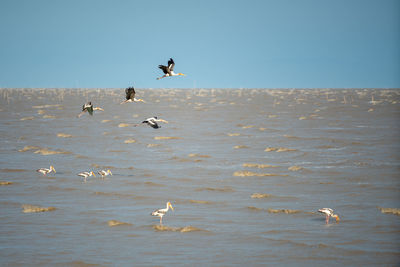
(245,170)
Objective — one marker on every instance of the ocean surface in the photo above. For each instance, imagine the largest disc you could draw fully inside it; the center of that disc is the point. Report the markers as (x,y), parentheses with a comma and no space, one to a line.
(245,169)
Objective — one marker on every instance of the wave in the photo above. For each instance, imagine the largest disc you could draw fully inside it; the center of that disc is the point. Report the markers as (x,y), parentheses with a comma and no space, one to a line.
(130,141)
(63,135)
(166,137)
(258,195)
(112,223)
(286,211)
(390,211)
(43,151)
(249,173)
(279,149)
(225,189)
(260,166)
(32,208)
(186,229)
(13,170)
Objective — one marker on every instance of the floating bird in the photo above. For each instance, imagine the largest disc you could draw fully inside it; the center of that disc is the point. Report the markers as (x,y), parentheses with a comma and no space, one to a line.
(329,213)
(169,71)
(130,96)
(153,122)
(86,174)
(45,171)
(104,173)
(161,212)
(88,107)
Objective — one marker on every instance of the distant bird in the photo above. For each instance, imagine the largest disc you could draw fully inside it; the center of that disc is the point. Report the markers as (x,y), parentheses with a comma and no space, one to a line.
(161,212)
(104,173)
(45,171)
(169,70)
(88,107)
(86,174)
(153,122)
(329,213)
(130,96)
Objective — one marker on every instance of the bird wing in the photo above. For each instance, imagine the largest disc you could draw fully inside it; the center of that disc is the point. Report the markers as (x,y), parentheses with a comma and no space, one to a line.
(164,69)
(171,64)
(130,93)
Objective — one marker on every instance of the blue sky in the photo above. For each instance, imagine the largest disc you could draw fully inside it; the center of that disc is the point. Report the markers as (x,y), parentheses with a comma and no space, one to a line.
(217,43)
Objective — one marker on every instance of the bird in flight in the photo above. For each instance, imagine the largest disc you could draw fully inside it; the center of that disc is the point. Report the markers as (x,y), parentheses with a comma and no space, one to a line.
(169,70)
(88,107)
(130,96)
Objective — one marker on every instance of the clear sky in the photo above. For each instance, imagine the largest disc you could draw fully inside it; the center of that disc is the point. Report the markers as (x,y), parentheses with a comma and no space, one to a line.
(217,43)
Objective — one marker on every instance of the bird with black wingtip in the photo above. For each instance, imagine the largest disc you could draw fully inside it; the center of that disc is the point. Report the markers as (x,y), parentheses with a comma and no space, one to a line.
(169,70)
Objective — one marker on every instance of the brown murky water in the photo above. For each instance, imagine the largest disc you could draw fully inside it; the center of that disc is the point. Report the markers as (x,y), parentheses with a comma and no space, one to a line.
(246,171)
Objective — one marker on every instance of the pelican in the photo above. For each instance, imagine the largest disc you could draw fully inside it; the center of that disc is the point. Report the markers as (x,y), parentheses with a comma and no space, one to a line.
(45,171)
(130,96)
(161,212)
(329,213)
(104,173)
(88,107)
(169,71)
(153,122)
(86,174)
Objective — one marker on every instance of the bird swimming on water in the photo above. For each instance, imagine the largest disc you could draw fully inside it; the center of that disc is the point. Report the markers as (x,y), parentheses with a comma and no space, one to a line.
(153,122)
(130,96)
(45,171)
(88,107)
(104,173)
(86,174)
(161,212)
(169,70)
(329,213)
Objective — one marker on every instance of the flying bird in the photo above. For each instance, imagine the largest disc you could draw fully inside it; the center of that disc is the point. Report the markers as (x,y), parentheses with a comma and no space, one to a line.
(161,212)
(45,171)
(104,173)
(88,107)
(169,70)
(86,174)
(130,96)
(329,213)
(153,122)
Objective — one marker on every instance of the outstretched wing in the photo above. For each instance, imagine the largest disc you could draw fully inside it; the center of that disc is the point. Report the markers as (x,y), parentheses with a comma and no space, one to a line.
(164,69)
(130,93)
(171,64)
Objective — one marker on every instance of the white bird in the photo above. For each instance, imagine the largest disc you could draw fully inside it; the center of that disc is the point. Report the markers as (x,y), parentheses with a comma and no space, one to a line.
(329,213)
(153,122)
(86,174)
(45,171)
(88,107)
(130,96)
(161,212)
(169,70)
(104,173)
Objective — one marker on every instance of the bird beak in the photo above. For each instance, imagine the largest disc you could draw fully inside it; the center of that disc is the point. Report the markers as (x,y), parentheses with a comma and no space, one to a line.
(172,208)
(163,121)
(94,174)
(110,172)
(337,219)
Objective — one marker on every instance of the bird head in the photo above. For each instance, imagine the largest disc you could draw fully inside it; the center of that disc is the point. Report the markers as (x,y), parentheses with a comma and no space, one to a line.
(52,168)
(169,205)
